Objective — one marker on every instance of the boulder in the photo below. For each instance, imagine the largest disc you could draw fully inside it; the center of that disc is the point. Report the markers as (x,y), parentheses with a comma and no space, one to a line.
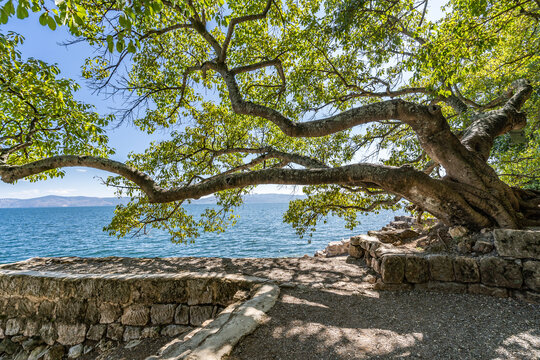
(356,251)
(521,244)
(496,271)
(75,352)
(483,246)
(108,313)
(14,327)
(457,232)
(337,248)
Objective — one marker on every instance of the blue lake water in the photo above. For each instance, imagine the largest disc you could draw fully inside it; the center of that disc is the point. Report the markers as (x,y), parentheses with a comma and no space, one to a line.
(260,232)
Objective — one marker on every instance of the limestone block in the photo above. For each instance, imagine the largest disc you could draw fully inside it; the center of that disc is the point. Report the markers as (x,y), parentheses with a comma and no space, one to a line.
(132,333)
(172,291)
(376,265)
(37,353)
(416,269)
(162,314)
(355,240)
(115,331)
(136,315)
(393,268)
(199,291)
(483,246)
(496,271)
(337,248)
(71,334)
(531,274)
(199,314)
(441,268)
(150,332)
(2,335)
(116,291)
(92,315)
(108,313)
(55,352)
(47,310)
(96,332)
(70,310)
(181,315)
(356,251)
(14,327)
(466,269)
(75,352)
(480,289)
(521,244)
(32,328)
(48,333)
(438,286)
(174,330)
(457,232)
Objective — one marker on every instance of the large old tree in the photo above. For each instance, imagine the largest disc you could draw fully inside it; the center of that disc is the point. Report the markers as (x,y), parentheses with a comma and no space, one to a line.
(368,103)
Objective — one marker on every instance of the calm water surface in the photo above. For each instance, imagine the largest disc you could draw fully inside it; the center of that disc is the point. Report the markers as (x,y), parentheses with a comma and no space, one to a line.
(259,232)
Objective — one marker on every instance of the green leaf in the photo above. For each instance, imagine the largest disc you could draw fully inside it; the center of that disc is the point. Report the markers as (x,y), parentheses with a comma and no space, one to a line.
(110,43)
(43,19)
(51,23)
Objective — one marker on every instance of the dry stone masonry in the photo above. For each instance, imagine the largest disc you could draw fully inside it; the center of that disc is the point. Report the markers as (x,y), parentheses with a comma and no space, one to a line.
(56,316)
(500,262)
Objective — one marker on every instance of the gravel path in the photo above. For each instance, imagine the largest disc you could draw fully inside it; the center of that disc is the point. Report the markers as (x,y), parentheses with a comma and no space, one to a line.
(328,310)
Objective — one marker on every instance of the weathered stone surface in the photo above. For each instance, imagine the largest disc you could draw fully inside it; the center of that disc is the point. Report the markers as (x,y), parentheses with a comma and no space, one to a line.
(521,244)
(47,309)
(531,274)
(356,251)
(181,315)
(496,271)
(108,313)
(96,332)
(92,315)
(136,315)
(37,353)
(71,334)
(199,314)
(150,332)
(393,269)
(8,346)
(14,327)
(480,289)
(337,248)
(70,310)
(441,267)
(457,232)
(31,343)
(48,333)
(483,246)
(174,330)
(438,286)
(416,269)
(19,338)
(132,333)
(115,331)
(466,269)
(528,296)
(75,352)
(376,265)
(162,314)
(2,335)
(199,292)
(32,328)
(55,352)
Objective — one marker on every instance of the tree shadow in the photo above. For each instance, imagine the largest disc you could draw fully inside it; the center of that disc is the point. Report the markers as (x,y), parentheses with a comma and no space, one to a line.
(329,325)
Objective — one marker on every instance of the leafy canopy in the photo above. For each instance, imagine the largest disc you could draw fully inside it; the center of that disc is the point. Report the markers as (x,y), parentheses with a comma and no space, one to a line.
(306,59)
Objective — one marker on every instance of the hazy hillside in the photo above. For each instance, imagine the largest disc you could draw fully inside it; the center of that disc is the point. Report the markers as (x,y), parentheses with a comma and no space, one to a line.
(75,201)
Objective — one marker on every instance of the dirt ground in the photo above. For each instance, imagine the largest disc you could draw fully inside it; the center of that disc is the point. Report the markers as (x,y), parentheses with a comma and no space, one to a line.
(327,309)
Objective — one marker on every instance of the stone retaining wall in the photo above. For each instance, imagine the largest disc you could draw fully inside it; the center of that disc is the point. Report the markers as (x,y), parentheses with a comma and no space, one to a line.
(512,270)
(53,315)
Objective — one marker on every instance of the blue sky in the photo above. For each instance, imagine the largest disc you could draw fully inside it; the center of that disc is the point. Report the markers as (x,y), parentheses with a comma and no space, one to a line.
(45,44)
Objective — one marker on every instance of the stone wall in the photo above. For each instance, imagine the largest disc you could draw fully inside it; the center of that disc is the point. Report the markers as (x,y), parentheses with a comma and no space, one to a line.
(511,269)
(54,315)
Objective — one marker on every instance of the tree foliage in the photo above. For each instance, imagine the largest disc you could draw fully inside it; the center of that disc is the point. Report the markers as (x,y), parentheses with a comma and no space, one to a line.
(292,92)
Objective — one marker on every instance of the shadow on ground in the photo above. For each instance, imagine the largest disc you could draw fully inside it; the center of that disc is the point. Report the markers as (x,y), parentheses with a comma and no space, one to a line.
(307,324)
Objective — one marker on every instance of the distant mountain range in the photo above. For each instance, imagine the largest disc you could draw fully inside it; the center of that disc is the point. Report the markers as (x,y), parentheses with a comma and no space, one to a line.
(78,201)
